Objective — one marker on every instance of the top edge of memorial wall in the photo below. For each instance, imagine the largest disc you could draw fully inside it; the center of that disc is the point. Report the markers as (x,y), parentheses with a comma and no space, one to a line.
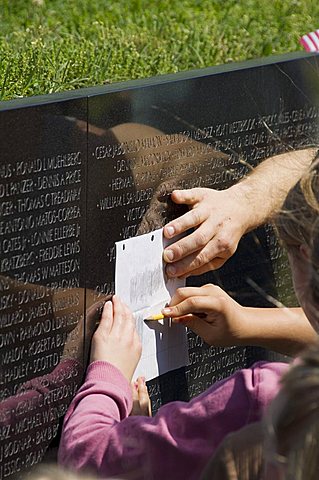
(81,93)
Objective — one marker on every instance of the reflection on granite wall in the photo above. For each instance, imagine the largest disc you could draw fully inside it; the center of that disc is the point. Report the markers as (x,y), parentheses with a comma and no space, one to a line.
(82,170)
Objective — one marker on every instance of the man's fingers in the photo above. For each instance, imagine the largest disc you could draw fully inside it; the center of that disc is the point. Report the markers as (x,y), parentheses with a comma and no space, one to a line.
(198,253)
(208,267)
(193,242)
(188,197)
(191,219)
(187,264)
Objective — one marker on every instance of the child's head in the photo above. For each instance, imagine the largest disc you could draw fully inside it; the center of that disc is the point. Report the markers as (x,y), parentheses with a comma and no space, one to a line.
(53,472)
(298,226)
(292,423)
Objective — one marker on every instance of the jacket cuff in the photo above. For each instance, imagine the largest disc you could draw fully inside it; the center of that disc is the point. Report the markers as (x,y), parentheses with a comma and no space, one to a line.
(106,372)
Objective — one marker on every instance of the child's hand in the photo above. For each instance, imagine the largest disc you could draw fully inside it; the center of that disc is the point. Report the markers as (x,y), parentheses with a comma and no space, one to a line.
(224,322)
(116,340)
(141,400)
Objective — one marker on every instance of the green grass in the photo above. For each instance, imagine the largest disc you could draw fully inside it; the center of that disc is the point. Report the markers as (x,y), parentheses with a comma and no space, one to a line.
(55,45)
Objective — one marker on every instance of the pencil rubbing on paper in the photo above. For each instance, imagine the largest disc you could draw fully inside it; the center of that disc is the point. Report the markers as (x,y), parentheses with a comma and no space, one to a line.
(141,282)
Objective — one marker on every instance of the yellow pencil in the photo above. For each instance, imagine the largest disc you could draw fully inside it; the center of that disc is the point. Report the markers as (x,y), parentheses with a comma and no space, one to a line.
(158,316)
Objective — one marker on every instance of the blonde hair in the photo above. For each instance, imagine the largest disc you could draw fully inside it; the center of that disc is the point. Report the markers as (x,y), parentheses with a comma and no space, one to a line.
(298,221)
(53,472)
(300,209)
(292,423)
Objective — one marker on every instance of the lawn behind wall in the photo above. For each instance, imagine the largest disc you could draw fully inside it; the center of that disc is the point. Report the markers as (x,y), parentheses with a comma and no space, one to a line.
(55,45)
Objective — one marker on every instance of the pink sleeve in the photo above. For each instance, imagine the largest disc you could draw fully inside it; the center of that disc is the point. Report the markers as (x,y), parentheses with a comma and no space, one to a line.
(177,442)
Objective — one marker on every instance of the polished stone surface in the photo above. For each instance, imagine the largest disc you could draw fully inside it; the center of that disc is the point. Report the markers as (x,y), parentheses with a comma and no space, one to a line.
(200,132)
(82,170)
(42,227)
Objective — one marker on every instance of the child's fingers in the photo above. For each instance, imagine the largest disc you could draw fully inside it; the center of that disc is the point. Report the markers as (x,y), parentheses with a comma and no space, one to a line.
(106,322)
(124,322)
(186,320)
(183,293)
(144,399)
(141,400)
(118,314)
(195,305)
(197,325)
(134,386)
(187,292)
(128,314)
(135,403)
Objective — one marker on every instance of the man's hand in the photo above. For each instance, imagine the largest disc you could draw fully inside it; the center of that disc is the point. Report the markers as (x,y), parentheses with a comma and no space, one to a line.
(220,219)
(116,340)
(211,313)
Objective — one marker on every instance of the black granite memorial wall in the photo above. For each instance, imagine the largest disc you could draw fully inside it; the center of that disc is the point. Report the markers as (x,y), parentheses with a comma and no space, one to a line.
(81,170)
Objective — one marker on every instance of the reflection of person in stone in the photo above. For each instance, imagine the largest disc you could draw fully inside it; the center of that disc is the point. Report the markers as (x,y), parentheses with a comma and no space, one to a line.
(40,402)
(179,440)
(147,158)
(222,217)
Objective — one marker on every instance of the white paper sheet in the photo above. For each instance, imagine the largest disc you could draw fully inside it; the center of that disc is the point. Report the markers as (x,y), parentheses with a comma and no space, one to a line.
(140,281)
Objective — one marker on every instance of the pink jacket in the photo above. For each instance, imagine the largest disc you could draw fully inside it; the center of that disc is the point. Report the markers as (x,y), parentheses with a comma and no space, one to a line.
(100,436)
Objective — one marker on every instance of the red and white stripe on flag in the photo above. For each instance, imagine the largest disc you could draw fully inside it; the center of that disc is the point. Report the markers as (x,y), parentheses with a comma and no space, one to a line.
(311,41)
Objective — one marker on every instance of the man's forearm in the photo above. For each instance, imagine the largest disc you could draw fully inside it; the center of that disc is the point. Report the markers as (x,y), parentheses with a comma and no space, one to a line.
(266,187)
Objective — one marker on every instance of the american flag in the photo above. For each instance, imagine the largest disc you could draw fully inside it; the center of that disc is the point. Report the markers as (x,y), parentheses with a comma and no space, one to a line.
(311,41)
